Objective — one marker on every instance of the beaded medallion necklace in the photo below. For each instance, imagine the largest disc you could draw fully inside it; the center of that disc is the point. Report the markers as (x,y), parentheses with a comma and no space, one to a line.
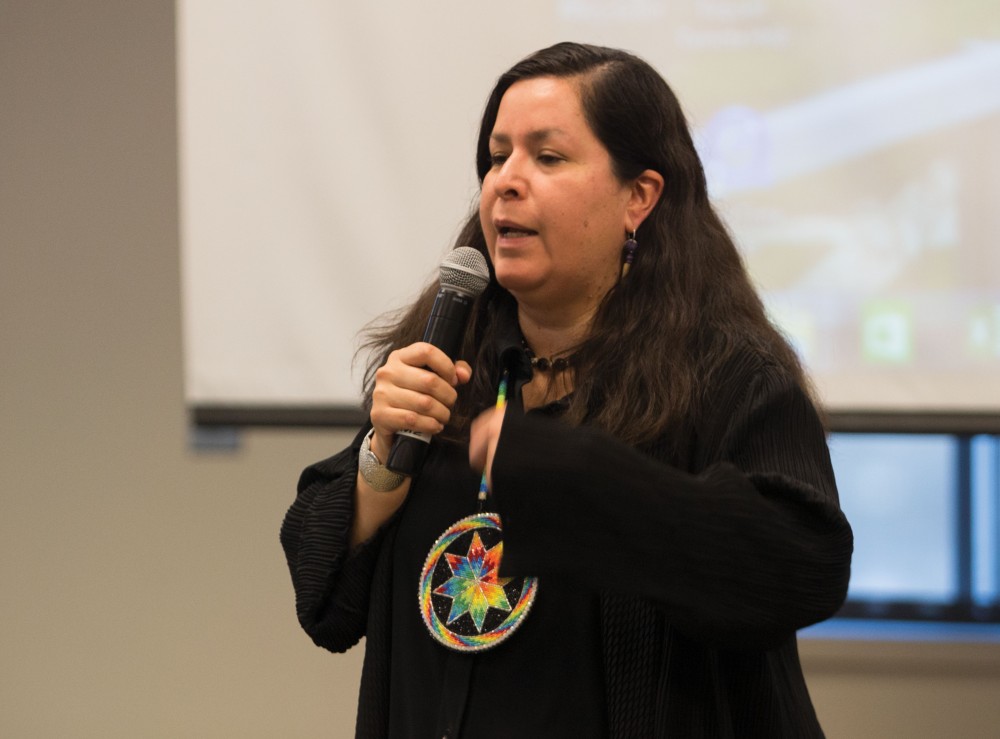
(464,604)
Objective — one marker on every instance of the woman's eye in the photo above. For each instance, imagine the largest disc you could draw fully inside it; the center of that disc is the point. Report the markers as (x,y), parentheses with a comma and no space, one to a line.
(497,159)
(549,158)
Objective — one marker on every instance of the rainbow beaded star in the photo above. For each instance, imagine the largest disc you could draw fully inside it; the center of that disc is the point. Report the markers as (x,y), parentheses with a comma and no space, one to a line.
(474,586)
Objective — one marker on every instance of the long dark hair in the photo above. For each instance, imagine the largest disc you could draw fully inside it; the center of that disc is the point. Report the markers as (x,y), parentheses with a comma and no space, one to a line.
(687,305)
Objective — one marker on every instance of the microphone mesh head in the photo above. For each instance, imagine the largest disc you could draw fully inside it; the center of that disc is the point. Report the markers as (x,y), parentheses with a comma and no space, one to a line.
(465,270)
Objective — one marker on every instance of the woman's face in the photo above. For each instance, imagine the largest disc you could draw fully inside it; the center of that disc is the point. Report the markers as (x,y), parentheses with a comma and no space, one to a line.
(554,214)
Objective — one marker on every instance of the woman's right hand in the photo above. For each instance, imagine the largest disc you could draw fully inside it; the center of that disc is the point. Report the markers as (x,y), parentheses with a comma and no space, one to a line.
(414,390)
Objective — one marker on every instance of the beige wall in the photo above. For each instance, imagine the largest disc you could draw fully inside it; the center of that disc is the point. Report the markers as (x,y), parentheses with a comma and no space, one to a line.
(142,588)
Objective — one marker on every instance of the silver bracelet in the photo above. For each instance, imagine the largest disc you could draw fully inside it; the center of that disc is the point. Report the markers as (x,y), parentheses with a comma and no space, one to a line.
(377,475)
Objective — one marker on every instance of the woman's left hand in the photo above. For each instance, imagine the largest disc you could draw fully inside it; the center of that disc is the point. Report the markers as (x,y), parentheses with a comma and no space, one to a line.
(483,437)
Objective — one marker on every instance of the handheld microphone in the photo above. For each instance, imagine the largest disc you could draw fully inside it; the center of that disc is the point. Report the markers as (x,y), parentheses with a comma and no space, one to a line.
(464,275)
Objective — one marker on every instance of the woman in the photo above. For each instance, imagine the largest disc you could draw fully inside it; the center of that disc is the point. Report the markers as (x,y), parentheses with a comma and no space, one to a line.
(658,466)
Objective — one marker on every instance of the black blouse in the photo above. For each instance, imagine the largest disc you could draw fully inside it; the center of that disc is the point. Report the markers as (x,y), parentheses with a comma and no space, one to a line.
(544,680)
(704,565)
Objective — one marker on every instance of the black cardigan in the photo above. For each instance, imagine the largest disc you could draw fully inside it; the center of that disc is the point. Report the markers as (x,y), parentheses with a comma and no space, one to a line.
(720,556)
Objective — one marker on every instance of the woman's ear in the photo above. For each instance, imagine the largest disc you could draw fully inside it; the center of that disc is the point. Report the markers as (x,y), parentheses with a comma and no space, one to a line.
(646,191)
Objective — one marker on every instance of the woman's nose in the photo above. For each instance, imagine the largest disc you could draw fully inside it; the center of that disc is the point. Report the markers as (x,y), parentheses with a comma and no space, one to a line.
(509,180)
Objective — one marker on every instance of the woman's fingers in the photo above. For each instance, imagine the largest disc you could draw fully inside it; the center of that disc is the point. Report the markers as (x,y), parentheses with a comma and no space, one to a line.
(415,390)
(398,408)
(463,370)
(424,355)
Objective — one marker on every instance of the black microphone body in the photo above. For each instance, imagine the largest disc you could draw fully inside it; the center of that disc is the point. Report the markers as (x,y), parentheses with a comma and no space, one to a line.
(446,324)
(463,277)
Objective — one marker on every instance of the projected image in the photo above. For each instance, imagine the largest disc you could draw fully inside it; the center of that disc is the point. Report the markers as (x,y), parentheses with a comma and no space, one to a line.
(852,147)
(865,200)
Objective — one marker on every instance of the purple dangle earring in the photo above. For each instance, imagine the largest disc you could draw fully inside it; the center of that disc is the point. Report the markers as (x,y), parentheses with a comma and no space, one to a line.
(630,246)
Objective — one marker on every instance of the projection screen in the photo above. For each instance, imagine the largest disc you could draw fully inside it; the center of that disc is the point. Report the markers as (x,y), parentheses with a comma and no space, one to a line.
(853,148)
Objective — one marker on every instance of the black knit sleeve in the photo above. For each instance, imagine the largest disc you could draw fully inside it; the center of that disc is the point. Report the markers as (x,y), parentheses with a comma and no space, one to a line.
(331,583)
(740,555)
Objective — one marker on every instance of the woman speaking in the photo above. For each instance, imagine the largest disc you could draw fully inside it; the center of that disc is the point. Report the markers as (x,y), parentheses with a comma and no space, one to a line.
(627,507)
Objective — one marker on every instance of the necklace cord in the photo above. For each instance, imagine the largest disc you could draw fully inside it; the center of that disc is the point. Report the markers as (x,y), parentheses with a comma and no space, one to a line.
(501,404)
(543,364)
